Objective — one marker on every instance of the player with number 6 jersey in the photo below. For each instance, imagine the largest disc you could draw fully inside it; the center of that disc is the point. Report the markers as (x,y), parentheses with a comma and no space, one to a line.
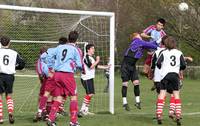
(9,62)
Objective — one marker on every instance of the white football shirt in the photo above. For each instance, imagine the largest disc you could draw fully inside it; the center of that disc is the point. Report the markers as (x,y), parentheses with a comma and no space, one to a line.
(171,62)
(8,59)
(157,72)
(89,73)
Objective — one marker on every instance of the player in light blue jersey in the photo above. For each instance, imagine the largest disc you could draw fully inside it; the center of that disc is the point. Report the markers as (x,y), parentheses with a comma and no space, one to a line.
(68,58)
(155,33)
(45,71)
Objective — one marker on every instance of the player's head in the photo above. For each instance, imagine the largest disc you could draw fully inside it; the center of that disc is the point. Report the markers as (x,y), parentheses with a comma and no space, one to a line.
(163,40)
(73,36)
(90,49)
(170,43)
(62,40)
(160,24)
(5,41)
(43,49)
(136,35)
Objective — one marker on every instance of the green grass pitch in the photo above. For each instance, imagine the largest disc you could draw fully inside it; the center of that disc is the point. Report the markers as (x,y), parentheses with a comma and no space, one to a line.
(25,99)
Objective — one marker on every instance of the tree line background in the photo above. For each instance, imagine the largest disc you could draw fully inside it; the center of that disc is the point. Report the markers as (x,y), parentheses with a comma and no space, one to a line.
(136,15)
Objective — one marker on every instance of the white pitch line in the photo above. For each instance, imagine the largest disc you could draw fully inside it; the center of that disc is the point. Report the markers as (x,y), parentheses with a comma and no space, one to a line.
(184,114)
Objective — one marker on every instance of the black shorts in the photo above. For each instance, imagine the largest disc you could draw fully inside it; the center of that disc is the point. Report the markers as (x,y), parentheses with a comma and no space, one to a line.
(6,83)
(170,82)
(157,85)
(128,72)
(88,85)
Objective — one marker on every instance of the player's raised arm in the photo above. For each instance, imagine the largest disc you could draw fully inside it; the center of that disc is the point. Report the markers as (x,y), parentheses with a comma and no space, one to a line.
(147,31)
(148,45)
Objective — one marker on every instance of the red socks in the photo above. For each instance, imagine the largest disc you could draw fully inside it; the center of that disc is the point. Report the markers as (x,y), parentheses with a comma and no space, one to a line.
(73,111)
(10,104)
(178,108)
(159,108)
(54,110)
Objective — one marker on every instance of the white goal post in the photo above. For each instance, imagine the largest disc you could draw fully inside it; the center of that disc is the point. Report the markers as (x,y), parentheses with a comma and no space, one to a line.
(84,14)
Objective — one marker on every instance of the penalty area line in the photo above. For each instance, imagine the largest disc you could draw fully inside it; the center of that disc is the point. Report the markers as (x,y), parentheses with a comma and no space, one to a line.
(184,114)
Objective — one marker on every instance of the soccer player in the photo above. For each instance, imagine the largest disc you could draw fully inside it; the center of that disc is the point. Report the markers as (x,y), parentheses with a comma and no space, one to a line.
(128,67)
(171,62)
(45,70)
(87,78)
(154,70)
(153,33)
(9,62)
(157,76)
(68,59)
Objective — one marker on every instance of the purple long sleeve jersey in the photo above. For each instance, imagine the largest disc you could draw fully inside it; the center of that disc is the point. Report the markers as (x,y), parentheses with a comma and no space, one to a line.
(137,47)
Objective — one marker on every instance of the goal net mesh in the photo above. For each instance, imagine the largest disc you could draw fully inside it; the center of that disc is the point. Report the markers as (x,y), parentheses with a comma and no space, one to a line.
(29,31)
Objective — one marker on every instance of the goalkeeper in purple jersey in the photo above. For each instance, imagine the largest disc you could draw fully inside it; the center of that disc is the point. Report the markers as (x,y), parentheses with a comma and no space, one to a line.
(128,67)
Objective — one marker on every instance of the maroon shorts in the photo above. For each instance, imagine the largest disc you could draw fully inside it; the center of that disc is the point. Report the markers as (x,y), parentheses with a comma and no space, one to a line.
(65,84)
(148,60)
(48,84)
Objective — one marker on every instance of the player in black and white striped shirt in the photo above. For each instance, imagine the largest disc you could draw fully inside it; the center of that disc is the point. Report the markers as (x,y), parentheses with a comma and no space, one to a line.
(87,78)
(9,62)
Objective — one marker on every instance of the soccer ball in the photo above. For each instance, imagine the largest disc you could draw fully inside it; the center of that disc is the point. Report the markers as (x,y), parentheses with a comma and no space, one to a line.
(183,6)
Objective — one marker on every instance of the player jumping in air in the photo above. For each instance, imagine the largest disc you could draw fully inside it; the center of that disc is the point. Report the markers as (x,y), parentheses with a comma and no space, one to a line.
(153,33)
(128,67)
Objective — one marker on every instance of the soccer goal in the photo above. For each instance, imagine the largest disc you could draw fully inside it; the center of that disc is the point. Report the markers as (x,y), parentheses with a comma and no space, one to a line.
(30,28)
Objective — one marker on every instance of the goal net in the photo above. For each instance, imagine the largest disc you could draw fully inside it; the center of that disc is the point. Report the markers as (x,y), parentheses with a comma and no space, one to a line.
(32,28)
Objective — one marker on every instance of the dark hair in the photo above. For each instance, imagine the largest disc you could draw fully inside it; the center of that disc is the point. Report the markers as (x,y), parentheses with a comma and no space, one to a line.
(170,43)
(73,36)
(63,40)
(43,49)
(88,46)
(5,41)
(161,20)
(163,39)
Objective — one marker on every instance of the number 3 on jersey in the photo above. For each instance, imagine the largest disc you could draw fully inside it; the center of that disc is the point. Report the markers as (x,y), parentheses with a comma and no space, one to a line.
(173,62)
(64,53)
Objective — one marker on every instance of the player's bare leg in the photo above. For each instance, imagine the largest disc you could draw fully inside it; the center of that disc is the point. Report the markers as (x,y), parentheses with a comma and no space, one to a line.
(124,93)
(146,69)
